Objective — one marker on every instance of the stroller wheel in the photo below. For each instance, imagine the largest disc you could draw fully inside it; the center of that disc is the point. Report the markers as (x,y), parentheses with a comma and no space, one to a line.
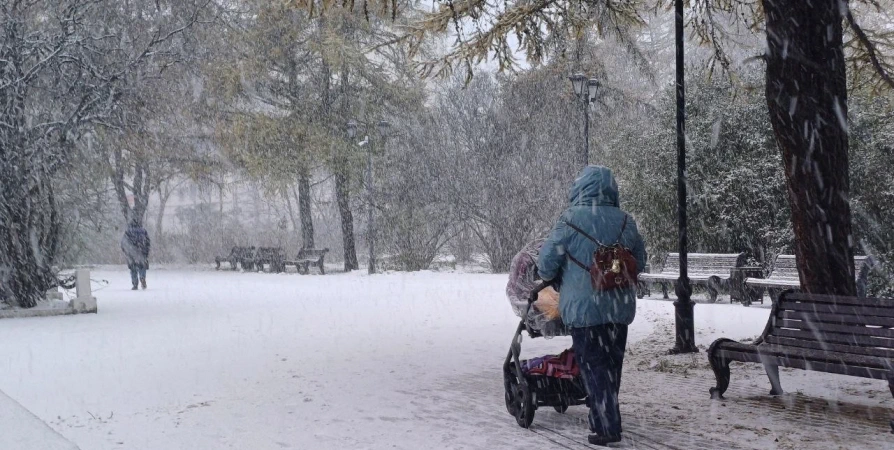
(525,401)
(561,408)
(510,387)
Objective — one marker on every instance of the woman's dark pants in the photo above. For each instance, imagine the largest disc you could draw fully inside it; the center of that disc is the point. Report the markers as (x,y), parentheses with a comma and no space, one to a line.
(600,353)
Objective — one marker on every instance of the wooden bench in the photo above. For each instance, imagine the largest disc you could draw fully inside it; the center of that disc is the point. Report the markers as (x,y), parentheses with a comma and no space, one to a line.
(243,256)
(309,257)
(642,287)
(708,269)
(785,276)
(272,256)
(835,334)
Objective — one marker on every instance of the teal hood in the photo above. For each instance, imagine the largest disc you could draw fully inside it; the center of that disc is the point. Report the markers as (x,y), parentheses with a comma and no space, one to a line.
(596,186)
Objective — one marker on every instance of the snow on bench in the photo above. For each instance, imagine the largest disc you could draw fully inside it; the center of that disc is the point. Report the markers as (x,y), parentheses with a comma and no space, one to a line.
(785,276)
(709,269)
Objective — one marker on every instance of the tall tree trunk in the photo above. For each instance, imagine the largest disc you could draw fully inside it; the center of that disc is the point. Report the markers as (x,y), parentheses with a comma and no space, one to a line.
(295,225)
(29,221)
(140,189)
(28,241)
(164,193)
(304,210)
(347,218)
(342,179)
(807,98)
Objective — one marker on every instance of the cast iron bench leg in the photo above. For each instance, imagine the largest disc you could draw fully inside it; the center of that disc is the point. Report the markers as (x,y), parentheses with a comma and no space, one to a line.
(773,374)
(714,285)
(712,294)
(774,295)
(664,289)
(891,387)
(720,366)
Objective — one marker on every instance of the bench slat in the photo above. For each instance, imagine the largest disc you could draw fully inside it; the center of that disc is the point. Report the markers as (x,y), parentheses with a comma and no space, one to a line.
(785,272)
(841,348)
(829,367)
(838,318)
(835,338)
(811,354)
(676,276)
(773,282)
(785,304)
(808,325)
(702,263)
(842,300)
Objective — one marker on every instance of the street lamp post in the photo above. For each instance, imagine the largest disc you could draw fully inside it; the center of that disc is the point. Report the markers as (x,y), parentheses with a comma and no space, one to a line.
(383,127)
(684,316)
(578,81)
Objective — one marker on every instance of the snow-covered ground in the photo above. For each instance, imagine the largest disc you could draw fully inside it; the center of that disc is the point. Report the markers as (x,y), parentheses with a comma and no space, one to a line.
(212,360)
(23,430)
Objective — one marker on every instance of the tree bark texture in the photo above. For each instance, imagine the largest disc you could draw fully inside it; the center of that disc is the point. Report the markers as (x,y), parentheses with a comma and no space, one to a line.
(342,177)
(140,189)
(806,94)
(29,221)
(304,210)
(29,239)
(295,221)
(347,218)
(164,193)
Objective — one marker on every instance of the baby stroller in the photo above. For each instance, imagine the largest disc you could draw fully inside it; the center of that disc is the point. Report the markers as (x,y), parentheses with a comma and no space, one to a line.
(548,381)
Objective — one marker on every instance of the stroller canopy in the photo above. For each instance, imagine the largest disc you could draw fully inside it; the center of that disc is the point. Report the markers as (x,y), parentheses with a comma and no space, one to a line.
(523,278)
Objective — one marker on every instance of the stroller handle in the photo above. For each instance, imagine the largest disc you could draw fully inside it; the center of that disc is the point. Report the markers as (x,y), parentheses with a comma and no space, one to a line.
(543,285)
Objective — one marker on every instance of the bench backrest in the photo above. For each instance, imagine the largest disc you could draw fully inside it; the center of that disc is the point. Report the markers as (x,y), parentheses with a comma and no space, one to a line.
(311,253)
(705,263)
(861,266)
(786,268)
(269,253)
(862,326)
(241,252)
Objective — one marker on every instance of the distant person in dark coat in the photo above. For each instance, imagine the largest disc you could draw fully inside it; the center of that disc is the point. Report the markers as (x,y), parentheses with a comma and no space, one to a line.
(135,245)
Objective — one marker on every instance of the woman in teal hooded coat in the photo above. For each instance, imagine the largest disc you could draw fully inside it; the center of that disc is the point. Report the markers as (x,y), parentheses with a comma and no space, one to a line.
(597,320)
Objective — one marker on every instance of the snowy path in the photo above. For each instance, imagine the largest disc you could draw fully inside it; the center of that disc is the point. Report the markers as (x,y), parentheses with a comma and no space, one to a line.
(209,360)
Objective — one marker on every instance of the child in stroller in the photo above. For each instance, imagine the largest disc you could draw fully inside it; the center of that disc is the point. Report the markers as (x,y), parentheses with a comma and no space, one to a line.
(547,381)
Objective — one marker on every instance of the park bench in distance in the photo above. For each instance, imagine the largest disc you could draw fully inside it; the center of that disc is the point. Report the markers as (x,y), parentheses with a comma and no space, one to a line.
(308,257)
(707,269)
(785,276)
(834,334)
(272,256)
(239,256)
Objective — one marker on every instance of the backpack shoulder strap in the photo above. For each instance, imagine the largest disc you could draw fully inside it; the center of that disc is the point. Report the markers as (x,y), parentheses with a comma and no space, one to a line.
(623,226)
(584,233)
(578,263)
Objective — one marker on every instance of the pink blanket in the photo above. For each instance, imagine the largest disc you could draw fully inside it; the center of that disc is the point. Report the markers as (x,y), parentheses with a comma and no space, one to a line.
(563,365)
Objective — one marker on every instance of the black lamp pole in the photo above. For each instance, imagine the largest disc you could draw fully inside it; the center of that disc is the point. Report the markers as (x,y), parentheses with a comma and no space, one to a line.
(586,155)
(683,307)
(586,91)
(371,233)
